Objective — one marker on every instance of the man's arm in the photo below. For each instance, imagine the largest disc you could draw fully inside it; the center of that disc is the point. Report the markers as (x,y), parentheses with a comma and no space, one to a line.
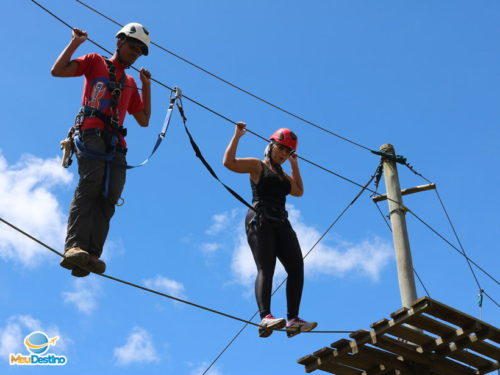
(64,67)
(142,117)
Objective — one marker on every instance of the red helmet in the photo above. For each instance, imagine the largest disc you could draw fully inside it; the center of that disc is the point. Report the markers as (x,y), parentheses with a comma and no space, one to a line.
(285,137)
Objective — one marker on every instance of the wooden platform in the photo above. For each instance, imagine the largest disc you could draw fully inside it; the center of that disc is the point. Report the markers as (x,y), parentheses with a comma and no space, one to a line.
(429,338)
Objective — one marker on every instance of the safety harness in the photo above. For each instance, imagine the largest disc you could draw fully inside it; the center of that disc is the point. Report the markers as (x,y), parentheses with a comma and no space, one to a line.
(73,143)
(110,133)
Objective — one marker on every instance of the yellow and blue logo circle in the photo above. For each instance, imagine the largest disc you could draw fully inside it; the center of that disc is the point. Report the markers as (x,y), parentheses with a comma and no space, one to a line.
(38,342)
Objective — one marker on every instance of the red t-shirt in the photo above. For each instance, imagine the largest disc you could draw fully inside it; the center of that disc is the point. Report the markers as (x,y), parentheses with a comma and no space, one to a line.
(96,94)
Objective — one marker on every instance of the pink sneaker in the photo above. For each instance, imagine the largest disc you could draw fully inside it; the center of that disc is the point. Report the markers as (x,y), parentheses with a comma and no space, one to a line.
(297,325)
(270,323)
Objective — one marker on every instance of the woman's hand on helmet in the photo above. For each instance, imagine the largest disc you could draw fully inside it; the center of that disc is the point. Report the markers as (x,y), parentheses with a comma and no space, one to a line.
(79,35)
(293,159)
(239,130)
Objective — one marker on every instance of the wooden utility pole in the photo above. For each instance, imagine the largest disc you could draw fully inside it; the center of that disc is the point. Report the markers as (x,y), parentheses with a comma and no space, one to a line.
(397,213)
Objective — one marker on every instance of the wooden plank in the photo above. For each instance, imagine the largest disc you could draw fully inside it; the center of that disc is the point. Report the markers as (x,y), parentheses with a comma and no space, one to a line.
(380,324)
(337,369)
(419,306)
(360,335)
(341,344)
(486,370)
(355,361)
(430,325)
(412,190)
(331,356)
(471,359)
(459,318)
(439,365)
(463,342)
(388,359)
(410,334)
(444,342)
(379,370)
(485,349)
(306,360)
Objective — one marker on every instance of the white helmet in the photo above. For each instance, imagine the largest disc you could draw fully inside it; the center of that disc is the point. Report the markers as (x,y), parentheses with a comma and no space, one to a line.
(136,31)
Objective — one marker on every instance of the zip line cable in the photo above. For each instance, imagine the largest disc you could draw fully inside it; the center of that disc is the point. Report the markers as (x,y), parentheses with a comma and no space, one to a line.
(460,251)
(284,280)
(148,289)
(453,246)
(449,221)
(441,202)
(456,236)
(263,138)
(232,84)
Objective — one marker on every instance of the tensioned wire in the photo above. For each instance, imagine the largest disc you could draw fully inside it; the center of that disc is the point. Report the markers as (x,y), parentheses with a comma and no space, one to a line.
(232,84)
(450,222)
(149,289)
(263,138)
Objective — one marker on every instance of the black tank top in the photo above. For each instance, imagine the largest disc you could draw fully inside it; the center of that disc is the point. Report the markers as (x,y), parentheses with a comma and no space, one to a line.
(272,189)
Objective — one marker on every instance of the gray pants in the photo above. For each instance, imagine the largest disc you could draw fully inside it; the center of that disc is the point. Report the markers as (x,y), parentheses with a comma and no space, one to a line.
(90,212)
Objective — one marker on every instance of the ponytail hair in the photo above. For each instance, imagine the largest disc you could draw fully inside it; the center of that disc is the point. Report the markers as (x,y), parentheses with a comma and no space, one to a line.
(267,157)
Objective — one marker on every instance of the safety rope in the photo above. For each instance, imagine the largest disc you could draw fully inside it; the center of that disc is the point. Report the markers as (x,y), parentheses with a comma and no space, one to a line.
(147,289)
(174,96)
(234,85)
(200,156)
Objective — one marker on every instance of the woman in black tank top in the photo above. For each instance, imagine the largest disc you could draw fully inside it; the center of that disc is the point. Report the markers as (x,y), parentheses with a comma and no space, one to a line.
(269,232)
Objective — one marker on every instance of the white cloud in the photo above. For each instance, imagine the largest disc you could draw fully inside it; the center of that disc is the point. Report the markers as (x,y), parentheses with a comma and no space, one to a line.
(210,247)
(84,294)
(365,258)
(113,249)
(139,348)
(200,369)
(166,285)
(221,221)
(27,201)
(18,327)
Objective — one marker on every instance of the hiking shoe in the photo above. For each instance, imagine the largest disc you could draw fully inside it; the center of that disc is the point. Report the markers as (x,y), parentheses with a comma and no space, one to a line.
(79,272)
(74,257)
(95,264)
(297,325)
(270,323)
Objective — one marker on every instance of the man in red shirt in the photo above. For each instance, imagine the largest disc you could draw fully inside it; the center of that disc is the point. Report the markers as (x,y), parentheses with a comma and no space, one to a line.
(107,95)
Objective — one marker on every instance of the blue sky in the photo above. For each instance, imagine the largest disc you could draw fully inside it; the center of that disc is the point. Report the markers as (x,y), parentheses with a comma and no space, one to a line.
(420,75)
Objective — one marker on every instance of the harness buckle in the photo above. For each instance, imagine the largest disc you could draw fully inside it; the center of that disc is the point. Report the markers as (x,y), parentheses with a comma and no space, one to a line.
(116,92)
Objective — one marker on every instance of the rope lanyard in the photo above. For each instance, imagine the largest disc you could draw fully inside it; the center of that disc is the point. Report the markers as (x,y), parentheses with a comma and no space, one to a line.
(203,160)
(174,96)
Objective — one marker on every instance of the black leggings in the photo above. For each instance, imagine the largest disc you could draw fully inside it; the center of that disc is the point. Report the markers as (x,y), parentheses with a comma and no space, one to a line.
(270,239)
